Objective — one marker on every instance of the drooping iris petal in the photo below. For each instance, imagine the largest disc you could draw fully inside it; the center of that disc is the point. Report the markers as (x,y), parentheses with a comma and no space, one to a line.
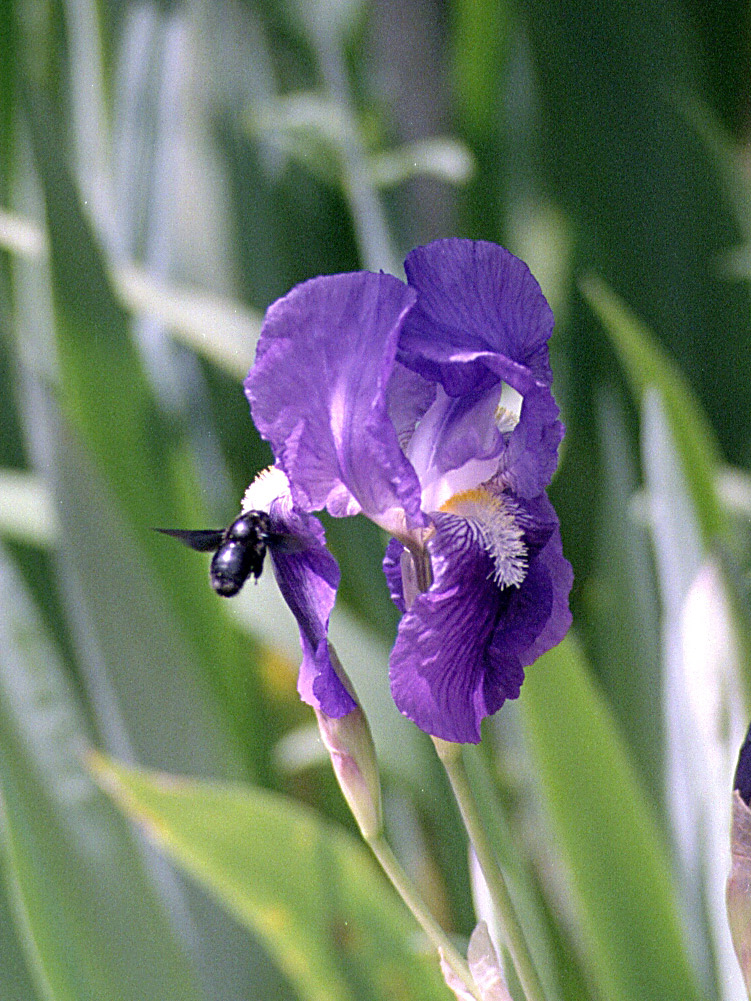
(526,611)
(308,577)
(473,297)
(463,645)
(318,394)
(550,561)
(439,665)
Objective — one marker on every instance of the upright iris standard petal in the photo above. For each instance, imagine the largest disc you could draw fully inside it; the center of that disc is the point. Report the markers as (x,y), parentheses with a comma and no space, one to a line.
(318,394)
(481,321)
(530,457)
(473,296)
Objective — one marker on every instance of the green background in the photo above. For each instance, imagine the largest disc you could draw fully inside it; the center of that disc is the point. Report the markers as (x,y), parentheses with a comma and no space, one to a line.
(166,171)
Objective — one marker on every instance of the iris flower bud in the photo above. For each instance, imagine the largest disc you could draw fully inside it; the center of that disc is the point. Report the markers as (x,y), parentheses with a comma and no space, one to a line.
(738,894)
(350,746)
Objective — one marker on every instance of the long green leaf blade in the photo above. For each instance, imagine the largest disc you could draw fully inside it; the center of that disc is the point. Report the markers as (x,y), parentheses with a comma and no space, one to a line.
(704,718)
(92,925)
(623,899)
(646,364)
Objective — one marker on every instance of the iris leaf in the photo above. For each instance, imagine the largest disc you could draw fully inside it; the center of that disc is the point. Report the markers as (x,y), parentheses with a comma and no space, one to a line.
(622,619)
(15,979)
(622,899)
(143,678)
(134,465)
(704,716)
(104,389)
(306,888)
(26,510)
(223,331)
(646,364)
(445,159)
(559,972)
(92,924)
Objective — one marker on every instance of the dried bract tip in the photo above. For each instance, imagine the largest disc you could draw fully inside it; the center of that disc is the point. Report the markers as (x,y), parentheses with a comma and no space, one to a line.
(482,959)
(742,780)
(738,892)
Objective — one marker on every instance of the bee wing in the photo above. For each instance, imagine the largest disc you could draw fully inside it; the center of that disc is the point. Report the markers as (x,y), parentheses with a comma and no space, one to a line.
(283,542)
(205,540)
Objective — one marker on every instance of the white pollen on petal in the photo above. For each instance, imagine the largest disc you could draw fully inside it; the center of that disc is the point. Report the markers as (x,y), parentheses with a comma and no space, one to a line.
(497,521)
(509,409)
(270,485)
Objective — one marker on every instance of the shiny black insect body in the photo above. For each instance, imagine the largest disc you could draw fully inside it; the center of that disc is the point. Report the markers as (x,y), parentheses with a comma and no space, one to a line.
(239,550)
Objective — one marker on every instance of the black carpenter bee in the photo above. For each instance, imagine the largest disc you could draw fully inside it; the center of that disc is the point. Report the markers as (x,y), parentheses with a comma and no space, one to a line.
(239,550)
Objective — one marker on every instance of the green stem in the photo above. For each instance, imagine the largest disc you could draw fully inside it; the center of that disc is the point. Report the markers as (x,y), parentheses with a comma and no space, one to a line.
(451,758)
(409,894)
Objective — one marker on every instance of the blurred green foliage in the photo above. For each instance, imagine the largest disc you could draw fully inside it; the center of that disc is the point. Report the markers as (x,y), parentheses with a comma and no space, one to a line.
(167,169)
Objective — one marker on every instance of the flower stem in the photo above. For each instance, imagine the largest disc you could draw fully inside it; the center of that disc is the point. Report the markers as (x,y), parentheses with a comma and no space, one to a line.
(451,758)
(409,894)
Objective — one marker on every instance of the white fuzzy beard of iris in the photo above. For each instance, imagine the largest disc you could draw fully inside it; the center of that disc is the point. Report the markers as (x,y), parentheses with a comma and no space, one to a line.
(496,520)
(270,485)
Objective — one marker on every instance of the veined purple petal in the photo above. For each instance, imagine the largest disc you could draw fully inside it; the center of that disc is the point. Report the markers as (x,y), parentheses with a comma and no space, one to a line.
(461,430)
(455,431)
(462,647)
(550,561)
(308,577)
(530,457)
(409,397)
(438,664)
(318,394)
(481,320)
(473,296)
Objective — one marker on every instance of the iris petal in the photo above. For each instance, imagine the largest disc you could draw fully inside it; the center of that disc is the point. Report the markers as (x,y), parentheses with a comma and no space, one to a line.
(475,297)
(308,577)
(531,455)
(409,398)
(319,394)
(453,432)
(439,662)
(550,559)
(462,646)
(392,568)
(457,430)
(481,320)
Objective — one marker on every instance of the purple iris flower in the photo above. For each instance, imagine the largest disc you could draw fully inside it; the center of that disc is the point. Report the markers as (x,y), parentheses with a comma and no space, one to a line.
(428,408)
